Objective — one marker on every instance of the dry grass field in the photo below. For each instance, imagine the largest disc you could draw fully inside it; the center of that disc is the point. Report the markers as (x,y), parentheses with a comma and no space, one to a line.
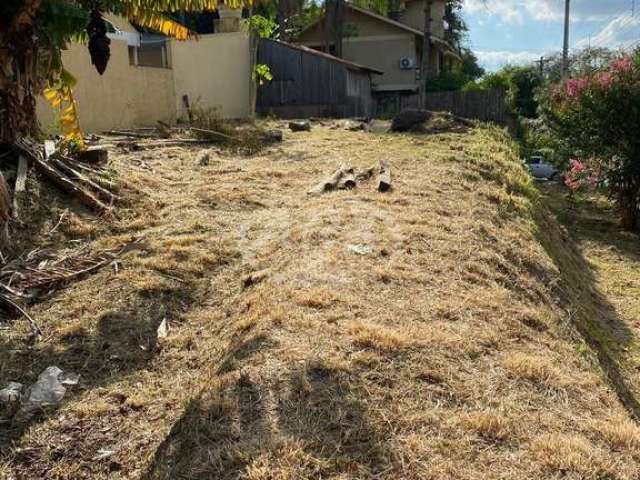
(449,329)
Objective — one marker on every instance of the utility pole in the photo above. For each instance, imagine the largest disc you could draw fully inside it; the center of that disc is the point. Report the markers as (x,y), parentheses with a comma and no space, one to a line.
(565,49)
(426,53)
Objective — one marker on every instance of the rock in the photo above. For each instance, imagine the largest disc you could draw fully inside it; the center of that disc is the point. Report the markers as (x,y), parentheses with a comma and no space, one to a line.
(300,126)
(204,158)
(410,119)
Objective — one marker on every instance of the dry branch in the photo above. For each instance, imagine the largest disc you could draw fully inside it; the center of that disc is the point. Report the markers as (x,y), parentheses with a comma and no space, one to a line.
(44,163)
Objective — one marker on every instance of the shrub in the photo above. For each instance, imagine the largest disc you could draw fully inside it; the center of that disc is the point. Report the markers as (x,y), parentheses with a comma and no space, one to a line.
(598,116)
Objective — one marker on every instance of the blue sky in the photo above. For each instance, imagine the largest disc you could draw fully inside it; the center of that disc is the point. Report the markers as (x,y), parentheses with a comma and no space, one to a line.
(520,31)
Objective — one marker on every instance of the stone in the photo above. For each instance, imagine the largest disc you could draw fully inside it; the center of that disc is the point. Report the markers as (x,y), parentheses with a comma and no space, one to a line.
(300,126)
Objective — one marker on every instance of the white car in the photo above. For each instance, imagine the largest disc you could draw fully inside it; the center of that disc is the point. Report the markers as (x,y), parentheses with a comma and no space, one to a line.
(541,169)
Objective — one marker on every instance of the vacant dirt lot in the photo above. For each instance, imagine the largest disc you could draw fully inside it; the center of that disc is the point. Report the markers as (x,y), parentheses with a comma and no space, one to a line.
(417,334)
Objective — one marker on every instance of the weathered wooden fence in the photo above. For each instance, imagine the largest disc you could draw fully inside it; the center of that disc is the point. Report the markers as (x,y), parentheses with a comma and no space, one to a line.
(486,105)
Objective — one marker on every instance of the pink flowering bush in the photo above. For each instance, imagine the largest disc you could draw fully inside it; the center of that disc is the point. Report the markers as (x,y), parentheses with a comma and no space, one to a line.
(599,116)
(582,174)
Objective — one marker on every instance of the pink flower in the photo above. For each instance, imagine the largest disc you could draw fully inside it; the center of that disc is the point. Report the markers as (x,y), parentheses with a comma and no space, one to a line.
(576,166)
(622,65)
(575,86)
(572,183)
(604,79)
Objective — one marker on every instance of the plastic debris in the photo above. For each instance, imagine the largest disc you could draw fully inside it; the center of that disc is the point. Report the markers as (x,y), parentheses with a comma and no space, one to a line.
(11,393)
(360,249)
(47,391)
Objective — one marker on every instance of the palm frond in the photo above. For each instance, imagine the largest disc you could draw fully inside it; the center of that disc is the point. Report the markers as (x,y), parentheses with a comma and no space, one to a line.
(158,21)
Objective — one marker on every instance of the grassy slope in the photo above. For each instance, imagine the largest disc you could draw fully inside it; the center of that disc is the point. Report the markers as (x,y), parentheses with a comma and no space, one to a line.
(445,353)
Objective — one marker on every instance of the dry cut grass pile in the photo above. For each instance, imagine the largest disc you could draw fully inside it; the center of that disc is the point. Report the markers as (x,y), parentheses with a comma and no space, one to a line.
(445,352)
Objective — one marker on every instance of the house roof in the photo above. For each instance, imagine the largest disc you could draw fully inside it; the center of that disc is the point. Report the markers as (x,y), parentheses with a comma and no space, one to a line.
(400,25)
(318,53)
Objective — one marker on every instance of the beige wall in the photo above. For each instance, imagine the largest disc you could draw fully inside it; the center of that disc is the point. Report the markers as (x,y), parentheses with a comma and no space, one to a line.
(384,53)
(414,16)
(124,97)
(376,44)
(214,71)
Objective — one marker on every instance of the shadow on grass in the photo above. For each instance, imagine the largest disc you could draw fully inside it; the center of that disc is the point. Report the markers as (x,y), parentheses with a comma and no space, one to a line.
(124,340)
(313,424)
(593,315)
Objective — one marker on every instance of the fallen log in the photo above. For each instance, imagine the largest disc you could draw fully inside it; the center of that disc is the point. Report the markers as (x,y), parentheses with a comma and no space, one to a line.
(384,177)
(366,174)
(330,183)
(348,181)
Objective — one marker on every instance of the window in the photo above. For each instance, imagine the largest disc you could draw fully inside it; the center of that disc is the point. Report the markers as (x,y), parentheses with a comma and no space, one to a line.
(150,53)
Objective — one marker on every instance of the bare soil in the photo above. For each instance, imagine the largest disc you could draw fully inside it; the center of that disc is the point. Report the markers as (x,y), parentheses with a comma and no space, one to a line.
(427,332)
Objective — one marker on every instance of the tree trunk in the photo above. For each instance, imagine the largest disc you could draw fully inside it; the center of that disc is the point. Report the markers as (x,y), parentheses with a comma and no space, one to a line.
(334,20)
(630,213)
(426,53)
(22,76)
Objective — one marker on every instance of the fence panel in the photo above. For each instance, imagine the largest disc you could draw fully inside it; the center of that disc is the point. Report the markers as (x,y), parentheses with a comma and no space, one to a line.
(486,105)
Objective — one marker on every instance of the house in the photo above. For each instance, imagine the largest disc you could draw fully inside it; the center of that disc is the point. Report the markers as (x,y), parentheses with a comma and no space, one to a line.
(392,44)
(310,83)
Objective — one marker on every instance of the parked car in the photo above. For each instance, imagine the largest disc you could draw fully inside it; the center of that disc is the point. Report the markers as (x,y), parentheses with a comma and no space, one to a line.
(541,169)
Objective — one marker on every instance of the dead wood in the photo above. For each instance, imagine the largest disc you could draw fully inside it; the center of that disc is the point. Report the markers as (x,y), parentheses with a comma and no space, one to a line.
(332,182)
(100,190)
(213,133)
(348,181)
(366,174)
(384,177)
(58,178)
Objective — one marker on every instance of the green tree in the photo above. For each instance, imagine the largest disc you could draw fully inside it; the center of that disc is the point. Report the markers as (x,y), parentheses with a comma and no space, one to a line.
(33,32)
(521,85)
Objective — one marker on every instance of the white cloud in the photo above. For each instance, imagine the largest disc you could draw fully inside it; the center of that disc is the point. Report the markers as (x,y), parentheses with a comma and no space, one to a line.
(494,60)
(517,11)
(621,32)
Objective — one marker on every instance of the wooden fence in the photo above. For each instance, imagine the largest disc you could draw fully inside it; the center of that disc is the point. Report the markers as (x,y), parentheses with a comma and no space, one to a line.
(485,105)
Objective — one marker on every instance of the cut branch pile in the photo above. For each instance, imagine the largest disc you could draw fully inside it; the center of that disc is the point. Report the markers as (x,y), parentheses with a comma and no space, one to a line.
(42,271)
(91,185)
(248,138)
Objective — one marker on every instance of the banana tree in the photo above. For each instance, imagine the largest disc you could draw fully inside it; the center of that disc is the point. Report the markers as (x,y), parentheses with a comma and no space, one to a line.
(33,33)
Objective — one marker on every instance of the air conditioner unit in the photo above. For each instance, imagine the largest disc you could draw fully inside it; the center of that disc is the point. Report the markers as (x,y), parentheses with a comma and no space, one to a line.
(407,63)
